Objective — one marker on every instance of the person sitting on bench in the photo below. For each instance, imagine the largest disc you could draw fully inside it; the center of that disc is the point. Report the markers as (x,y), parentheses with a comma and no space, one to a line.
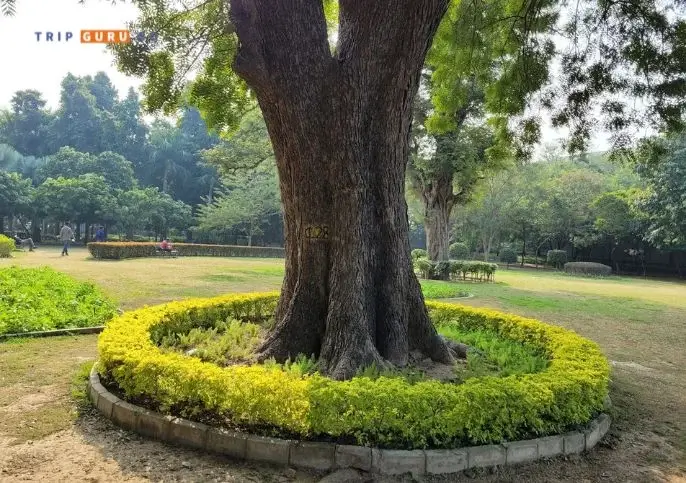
(24,242)
(165,246)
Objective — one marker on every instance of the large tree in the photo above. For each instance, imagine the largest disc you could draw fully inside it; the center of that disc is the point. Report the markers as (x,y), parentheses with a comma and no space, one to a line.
(339,120)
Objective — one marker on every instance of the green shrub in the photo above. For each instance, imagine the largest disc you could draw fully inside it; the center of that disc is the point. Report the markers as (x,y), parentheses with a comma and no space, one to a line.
(459,251)
(442,270)
(383,411)
(556,258)
(588,268)
(418,253)
(439,289)
(475,270)
(35,299)
(120,250)
(6,246)
(425,267)
(507,255)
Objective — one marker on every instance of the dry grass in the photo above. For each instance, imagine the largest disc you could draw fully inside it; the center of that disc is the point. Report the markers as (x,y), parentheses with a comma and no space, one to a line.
(640,324)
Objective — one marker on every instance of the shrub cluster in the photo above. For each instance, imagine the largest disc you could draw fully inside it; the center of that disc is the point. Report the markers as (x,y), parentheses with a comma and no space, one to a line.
(588,268)
(456,269)
(33,299)
(6,246)
(382,411)
(556,258)
(507,255)
(119,250)
(458,251)
(418,253)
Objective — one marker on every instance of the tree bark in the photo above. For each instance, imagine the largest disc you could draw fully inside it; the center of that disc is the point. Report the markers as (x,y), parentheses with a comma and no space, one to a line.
(438,202)
(340,125)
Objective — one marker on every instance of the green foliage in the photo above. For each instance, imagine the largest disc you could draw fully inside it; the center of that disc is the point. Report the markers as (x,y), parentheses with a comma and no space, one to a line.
(379,410)
(588,269)
(425,267)
(121,250)
(439,289)
(507,255)
(459,251)
(86,198)
(33,299)
(498,356)
(231,341)
(662,165)
(6,246)
(475,270)
(15,194)
(418,253)
(556,258)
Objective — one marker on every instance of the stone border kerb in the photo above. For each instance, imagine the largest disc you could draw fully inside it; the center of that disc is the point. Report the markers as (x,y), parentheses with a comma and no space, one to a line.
(329,456)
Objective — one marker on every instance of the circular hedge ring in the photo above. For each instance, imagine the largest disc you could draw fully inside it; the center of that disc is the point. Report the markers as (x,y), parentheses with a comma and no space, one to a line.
(385,411)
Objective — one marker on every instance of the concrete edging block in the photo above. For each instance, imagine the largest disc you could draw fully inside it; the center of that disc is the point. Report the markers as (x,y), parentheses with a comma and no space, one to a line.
(521,451)
(153,425)
(227,443)
(318,456)
(574,443)
(125,415)
(398,462)
(550,446)
(268,450)
(487,455)
(326,456)
(351,456)
(592,435)
(188,433)
(446,461)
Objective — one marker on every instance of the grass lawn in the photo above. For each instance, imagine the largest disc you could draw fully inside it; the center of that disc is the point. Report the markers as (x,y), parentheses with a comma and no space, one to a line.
(640,324)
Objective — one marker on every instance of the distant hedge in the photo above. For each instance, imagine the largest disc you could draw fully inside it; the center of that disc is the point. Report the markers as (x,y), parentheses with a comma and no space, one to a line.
(119,250)
(588,268)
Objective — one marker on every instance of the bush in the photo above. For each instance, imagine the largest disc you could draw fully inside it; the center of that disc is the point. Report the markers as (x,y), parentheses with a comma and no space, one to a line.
(35,299)
(508,255)
(459,251)
(425,267)
(382,411)
(556,258)
(6,246)
(476,270)
(119,250)
(418,253)
(588,268)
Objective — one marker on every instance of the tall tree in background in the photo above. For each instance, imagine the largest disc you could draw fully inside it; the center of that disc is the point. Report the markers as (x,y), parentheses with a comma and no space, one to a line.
(26,125)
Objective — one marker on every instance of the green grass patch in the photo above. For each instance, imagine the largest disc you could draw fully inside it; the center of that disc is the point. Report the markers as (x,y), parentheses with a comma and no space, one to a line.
(439,289)
(223,277)
(226,343)
(79,381)
(498,356)
(35,299)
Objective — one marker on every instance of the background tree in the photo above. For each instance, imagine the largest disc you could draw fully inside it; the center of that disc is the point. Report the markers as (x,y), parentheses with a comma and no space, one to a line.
(15,196)
(248,202)
(26,126)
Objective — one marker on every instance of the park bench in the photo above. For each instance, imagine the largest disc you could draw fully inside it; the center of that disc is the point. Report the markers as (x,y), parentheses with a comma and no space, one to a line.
(166,253)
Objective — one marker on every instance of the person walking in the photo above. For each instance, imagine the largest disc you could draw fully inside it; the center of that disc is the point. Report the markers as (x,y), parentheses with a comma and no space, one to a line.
(100,235)
(66,236)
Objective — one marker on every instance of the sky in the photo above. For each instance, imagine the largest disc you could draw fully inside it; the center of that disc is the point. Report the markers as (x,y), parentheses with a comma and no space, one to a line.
(30,64)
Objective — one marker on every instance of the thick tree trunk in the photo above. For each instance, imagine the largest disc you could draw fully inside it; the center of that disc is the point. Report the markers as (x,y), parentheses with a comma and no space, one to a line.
(438,204)
(340,129)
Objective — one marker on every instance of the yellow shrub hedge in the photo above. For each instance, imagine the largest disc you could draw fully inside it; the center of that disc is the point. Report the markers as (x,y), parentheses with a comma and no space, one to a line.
(389,412)
(119,250)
